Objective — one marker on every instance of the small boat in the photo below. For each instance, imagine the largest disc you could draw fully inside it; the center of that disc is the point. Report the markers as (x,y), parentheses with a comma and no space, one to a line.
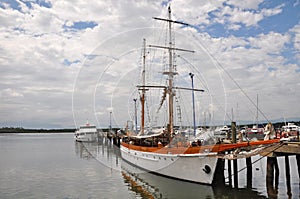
(167,152)
(290,131)
(256,132)
(86,133)
(223,131)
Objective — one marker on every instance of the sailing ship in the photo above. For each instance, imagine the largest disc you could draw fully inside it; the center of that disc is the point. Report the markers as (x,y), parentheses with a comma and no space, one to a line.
(167,152)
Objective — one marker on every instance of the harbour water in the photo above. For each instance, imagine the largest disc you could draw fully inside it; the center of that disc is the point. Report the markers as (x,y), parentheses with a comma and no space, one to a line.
(55,166)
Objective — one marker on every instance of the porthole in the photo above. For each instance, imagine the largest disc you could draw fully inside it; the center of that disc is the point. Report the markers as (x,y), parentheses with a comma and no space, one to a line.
(206,169)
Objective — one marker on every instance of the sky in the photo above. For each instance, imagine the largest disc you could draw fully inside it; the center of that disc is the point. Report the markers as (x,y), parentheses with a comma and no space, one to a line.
(63,62)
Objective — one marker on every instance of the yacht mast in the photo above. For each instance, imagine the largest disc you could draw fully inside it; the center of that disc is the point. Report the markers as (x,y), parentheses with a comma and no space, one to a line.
(257,110)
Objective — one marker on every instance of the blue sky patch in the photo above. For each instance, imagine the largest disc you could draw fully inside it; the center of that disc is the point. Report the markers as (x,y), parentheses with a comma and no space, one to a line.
(12,3)
(280,22)
(81,25)
(271,69)
(67,62)
(283,21)
(16,5)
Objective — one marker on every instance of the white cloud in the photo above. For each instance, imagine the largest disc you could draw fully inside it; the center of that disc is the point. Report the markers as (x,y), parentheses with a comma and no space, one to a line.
(34,47)
(196,12)
(245,4)
(296,40)
(8,93)
(263,41)
(238,14)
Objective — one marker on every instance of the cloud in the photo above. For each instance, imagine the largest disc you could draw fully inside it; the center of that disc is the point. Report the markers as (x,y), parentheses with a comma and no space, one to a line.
(10,93)
(295,31)
(248,4)
(240,15)
(46,46)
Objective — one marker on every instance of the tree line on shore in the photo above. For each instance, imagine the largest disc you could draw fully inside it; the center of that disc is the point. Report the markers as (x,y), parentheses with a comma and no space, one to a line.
(24,130)
(70,130)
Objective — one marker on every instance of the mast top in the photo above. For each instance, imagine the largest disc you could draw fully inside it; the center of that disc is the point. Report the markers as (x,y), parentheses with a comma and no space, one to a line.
(170,20)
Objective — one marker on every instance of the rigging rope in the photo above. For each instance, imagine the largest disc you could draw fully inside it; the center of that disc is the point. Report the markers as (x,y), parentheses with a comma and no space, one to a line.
(228,74)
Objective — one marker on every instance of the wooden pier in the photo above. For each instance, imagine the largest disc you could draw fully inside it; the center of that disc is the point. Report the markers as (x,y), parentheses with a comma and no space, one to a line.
(283,149)
(286,149)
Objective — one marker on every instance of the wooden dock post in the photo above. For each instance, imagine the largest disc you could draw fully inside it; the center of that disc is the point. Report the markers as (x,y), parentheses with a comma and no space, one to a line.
(229,172)
(276,173)
(249,172)
(288,176)
(233,132)
(298,164)
(235,167)
(219,179)
(270,172)
(272,167)
(235,175)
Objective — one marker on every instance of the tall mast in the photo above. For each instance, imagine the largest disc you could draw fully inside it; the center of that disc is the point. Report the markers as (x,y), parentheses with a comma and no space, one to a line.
(170,72)
(143,89)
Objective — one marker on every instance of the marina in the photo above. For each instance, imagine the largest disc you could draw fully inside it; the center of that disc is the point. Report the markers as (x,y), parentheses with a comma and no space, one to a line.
(150,99)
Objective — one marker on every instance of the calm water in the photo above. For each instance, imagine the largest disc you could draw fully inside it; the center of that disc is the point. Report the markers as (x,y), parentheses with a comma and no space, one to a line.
(55,166)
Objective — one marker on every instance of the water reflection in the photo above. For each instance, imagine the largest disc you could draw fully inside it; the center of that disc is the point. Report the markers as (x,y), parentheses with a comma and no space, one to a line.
(104,152)
(147,185)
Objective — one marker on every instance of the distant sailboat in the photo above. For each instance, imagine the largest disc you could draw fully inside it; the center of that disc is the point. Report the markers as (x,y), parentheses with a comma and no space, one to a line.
(257,130)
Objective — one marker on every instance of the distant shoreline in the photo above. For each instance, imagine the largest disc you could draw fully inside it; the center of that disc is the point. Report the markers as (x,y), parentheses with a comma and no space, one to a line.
(22,130)
(67,130)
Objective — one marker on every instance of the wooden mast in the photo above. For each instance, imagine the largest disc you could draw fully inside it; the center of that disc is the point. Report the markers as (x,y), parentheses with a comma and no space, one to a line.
(170,75)
(143,89)
(170,72)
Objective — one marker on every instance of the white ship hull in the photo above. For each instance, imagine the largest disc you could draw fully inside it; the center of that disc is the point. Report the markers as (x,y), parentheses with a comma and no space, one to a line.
(86,138)
(199,168)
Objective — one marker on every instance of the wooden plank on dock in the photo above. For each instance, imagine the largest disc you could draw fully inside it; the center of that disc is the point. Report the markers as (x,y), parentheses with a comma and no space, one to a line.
(292,148)
(288,148)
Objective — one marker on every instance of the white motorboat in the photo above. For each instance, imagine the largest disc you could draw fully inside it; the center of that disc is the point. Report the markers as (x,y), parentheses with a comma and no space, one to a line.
(86,133)
(291,130)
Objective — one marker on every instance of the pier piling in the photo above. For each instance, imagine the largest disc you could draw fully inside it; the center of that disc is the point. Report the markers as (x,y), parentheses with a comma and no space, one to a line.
(235,174)
(219,178)
(229,173)
(235,168)
(288,176)
(272,168)
(249,172)
(298,164)
(233,131)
